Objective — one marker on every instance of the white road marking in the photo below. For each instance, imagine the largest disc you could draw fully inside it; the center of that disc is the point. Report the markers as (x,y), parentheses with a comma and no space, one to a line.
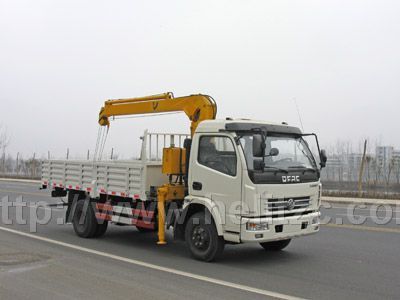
(368,217)
(363,228)
(25,193)
(23,204)
(20,180)
(46,208)
(211,280)
(355,208)
(27,268)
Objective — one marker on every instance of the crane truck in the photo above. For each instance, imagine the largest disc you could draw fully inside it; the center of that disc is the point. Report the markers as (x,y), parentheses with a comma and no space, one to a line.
(229,181)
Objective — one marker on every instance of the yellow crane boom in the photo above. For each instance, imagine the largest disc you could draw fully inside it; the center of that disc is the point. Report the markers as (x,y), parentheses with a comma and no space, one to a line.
(197,107)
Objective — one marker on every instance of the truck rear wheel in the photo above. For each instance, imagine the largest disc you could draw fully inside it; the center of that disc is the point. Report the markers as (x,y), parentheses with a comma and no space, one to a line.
(84,220)
(276,245)
(202,238)
(101,229)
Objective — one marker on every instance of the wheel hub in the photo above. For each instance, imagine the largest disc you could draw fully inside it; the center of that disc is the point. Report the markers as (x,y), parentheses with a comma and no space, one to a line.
(200,238)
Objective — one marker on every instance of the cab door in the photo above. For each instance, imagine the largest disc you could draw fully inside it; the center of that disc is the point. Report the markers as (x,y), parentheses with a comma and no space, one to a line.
(215,174)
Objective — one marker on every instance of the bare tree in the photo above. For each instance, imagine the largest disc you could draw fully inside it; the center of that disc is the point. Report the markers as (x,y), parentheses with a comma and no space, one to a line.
(368,160)
(4,141)
(377,168)
(8,164)
(32,167)
(388,171)
(360,176)
(396,169)
(340,153)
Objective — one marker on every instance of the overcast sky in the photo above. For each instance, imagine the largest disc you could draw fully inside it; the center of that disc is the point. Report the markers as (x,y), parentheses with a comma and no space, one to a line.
(60,60)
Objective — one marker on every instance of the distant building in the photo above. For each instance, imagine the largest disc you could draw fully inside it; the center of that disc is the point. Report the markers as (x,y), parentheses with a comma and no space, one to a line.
(346,166)
(334,169)
(396,155)
(353,166)
(384,155)
(396,158)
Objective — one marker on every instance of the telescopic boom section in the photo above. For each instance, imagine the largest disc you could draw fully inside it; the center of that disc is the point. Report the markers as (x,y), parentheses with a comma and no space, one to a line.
(197,107)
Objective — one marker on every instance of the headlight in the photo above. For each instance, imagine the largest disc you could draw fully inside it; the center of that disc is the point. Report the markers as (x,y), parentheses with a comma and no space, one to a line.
(250,226)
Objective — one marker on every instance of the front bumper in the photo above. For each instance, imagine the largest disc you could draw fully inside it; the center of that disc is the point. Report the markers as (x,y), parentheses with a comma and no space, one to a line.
(281,228)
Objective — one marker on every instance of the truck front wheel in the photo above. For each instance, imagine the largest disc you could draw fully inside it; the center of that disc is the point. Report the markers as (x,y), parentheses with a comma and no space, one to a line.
(276,245)
(202,238)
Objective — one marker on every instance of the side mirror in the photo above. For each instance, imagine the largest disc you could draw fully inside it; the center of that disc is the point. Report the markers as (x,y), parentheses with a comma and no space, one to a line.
(274,152)
(323,158)
(258,145)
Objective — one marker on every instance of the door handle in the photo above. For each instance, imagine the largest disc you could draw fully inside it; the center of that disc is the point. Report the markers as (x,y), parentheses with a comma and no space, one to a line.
(197,185)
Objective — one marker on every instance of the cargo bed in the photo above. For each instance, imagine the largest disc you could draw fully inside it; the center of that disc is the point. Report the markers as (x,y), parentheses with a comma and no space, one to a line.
(125,178)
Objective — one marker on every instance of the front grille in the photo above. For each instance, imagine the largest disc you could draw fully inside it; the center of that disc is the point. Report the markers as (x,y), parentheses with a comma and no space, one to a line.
(287,204)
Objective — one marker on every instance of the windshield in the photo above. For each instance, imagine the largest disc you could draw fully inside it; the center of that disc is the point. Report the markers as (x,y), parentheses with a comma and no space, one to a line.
(293,152)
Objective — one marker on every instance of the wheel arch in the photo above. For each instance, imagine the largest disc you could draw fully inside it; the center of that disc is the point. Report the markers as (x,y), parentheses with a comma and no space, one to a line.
(197,205)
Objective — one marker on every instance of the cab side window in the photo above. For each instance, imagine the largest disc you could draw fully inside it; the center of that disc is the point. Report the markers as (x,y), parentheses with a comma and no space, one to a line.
(218,153)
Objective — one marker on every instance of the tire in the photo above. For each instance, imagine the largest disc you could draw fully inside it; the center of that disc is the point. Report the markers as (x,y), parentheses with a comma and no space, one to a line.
(101,229)
(89,226)
(202,238)
(276,245)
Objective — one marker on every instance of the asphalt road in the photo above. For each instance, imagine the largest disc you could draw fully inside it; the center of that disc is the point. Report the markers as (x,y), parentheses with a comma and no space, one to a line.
(341,261)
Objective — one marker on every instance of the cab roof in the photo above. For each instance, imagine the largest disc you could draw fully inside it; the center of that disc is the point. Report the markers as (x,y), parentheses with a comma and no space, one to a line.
(245,125)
